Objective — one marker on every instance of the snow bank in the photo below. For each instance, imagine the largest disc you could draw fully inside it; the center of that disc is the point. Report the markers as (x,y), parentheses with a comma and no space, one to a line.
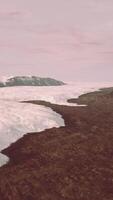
(17,119)
(53,94)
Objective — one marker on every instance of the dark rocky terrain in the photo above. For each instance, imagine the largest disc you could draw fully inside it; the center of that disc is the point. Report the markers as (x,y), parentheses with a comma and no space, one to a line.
(30,81)
(74,162)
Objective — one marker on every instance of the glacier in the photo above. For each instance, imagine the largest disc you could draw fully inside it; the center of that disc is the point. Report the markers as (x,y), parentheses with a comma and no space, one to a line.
(17,119)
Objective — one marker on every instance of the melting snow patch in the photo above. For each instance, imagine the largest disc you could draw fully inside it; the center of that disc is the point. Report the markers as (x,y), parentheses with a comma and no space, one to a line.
(17,119)
(3,159)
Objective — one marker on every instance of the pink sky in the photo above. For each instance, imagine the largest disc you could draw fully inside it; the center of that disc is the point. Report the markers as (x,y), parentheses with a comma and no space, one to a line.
(65,39)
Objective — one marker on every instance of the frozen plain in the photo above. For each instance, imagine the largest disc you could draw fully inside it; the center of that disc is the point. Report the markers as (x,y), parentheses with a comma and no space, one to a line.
(17,119)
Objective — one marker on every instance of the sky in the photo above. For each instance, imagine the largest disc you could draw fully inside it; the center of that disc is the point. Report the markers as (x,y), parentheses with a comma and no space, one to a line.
(70,40)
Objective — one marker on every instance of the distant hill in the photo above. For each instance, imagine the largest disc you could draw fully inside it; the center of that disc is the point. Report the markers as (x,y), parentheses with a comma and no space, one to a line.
(29,81)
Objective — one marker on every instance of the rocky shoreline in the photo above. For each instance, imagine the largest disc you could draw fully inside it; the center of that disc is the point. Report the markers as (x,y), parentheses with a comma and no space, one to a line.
(74,162)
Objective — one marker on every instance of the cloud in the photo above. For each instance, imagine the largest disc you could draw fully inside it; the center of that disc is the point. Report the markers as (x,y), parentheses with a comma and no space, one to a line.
(47,36)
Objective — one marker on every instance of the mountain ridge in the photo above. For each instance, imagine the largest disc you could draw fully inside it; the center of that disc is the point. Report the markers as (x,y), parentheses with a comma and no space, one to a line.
(29,81)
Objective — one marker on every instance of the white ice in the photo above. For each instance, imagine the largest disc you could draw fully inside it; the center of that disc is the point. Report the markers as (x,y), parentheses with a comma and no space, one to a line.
(53,94)
(17,119)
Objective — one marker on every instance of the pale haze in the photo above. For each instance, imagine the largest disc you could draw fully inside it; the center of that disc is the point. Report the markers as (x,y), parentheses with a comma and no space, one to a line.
(71,40)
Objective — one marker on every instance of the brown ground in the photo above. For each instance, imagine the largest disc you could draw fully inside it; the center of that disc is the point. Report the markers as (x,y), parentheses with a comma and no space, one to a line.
(68,163)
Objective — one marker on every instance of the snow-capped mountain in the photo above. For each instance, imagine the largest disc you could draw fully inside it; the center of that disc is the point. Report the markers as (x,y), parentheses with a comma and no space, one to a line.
(28,81)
